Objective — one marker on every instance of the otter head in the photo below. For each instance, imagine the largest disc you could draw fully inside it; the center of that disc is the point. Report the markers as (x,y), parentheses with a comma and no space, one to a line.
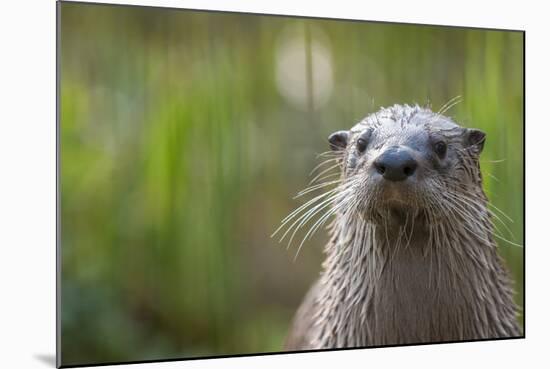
(408,161)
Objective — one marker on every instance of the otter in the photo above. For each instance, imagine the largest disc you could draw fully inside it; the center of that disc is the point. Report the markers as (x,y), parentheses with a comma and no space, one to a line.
(412,256)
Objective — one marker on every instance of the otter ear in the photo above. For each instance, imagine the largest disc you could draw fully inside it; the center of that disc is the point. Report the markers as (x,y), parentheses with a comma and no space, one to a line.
(338,140)
(475,139)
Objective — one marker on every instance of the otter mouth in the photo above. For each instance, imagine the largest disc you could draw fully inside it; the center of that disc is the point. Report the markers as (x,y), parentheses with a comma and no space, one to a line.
(400,207)
(398,193)
(396,204)
(398,198)
(400,214)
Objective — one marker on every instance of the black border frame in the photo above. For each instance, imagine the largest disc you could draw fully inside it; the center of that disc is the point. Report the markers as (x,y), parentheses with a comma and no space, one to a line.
(58,186)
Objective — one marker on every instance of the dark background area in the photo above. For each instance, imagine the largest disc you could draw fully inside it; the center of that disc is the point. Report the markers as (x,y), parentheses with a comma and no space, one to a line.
(185,135)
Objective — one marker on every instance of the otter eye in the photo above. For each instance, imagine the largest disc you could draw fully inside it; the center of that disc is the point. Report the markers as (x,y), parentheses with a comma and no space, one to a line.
(361,144)
(440,149)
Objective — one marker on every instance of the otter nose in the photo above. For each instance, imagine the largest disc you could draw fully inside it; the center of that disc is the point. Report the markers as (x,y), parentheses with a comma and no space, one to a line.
(395,164)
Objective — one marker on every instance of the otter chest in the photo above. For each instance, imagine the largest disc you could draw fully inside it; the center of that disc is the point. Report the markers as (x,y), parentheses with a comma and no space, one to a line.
(415,299)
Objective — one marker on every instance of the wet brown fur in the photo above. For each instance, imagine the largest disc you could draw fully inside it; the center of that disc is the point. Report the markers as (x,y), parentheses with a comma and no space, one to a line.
(421,269)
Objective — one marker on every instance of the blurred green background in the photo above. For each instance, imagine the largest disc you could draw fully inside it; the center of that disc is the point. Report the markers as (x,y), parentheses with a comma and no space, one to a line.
(184,136)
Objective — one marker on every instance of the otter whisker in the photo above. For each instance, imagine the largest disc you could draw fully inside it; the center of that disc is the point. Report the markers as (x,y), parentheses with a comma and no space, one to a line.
(449,104)
(466,217)
(311,213)
(508,241)
(492,176)
(300,221)
(488,231)
(315,226)
(492,213)
(500,211)
(476,208)
(329,153)
(307,190)
(466,196)
(302,208)
(323,172)
(497,161)
(447,108)
(339,206)
(330,175)
(325,162)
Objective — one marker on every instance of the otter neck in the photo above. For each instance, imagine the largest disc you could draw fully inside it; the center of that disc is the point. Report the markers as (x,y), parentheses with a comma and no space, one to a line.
(390,285)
